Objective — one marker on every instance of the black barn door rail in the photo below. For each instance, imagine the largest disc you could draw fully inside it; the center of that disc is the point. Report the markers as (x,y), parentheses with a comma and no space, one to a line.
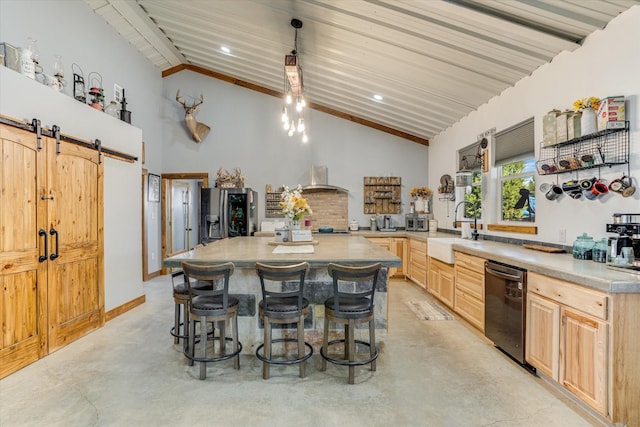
(36,128)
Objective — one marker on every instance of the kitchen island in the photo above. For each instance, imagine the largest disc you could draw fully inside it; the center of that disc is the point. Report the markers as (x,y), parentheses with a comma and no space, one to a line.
(244,252)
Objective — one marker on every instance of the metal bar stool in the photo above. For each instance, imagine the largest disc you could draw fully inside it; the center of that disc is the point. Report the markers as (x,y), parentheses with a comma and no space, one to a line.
(214,306)
(352,302)
(283,303)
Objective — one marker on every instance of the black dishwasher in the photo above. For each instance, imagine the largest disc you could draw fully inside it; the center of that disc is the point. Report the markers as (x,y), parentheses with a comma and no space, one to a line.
(504,312)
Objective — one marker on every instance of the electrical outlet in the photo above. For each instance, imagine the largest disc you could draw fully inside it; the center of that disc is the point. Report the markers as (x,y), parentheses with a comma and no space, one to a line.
(562,235)
(117,92)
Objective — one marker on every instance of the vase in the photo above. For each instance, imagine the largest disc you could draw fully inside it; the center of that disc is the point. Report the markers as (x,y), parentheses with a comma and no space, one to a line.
(294,224)
(420,205)
(588,121)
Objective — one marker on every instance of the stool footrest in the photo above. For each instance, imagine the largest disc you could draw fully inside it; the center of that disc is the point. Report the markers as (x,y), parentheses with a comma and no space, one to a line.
(345,362)
(187,352)
(288,361)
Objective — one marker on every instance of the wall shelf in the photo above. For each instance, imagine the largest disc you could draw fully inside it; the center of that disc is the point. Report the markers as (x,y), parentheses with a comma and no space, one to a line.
(603,148)
(382,195)
(272,208)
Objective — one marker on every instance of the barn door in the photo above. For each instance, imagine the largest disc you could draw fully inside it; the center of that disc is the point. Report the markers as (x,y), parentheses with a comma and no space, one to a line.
(74,211)
(23,261)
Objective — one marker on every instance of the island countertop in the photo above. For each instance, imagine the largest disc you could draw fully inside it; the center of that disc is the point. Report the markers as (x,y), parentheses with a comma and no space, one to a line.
(246,251)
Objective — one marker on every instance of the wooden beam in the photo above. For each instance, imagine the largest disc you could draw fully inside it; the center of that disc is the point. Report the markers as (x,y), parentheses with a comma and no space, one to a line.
(328,110)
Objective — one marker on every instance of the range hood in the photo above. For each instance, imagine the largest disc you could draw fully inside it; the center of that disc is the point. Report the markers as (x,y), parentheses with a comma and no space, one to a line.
(318,181)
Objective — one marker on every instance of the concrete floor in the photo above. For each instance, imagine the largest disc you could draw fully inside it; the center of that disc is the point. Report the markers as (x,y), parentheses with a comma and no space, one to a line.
(430,373)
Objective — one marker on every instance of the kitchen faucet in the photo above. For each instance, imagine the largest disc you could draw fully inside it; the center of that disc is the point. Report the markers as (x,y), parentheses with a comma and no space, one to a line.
(474,205)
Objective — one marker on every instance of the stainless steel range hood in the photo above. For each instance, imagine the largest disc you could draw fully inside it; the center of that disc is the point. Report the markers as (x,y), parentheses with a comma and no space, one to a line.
(318,181)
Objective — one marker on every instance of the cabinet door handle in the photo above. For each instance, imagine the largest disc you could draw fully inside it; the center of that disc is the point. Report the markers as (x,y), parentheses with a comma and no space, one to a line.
(43,258)
(55,254)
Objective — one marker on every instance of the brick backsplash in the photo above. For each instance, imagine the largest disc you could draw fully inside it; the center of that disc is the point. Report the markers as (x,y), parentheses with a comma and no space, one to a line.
(330,209)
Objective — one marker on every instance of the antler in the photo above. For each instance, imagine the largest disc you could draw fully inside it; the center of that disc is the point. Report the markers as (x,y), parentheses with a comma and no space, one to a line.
(178,99)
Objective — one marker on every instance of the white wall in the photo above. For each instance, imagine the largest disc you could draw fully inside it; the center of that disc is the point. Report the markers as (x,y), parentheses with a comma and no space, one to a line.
(71,29)
(246,132)
(606,65)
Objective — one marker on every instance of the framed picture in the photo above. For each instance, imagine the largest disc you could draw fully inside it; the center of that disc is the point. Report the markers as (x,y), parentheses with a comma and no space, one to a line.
(154,188)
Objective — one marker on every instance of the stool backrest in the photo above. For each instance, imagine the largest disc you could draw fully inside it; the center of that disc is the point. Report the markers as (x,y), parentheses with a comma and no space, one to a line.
(351,283)
(290,278)
(177,273)
(216,274)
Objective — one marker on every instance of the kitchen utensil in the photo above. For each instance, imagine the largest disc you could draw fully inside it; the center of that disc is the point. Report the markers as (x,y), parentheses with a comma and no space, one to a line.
(598,188)
(353,226)
(554,192)
(623,186)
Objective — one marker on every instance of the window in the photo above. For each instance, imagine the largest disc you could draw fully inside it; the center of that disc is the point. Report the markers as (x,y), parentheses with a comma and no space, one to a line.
(469,159)
(514,156)
(517,190)
(475,196)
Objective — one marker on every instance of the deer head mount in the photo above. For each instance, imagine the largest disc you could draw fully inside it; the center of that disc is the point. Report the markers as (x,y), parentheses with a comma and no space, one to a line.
(198,130)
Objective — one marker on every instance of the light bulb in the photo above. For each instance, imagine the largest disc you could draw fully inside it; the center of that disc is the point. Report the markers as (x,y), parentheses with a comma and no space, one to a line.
(303,102)
(301,125)
(286,125)
(291,129)
(305,139)
(288,99)
(298,106)
(285,117)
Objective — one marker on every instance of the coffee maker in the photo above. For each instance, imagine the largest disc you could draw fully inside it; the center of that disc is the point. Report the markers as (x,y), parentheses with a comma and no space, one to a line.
(627,226)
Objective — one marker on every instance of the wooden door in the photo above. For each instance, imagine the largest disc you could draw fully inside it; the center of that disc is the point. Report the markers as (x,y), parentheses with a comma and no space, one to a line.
(583,343)
(74,210)
(542,347)
(433,284)
(23,275)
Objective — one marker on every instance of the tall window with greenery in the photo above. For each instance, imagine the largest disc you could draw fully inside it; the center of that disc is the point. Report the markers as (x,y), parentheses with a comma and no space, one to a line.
(517,184)
(474,198)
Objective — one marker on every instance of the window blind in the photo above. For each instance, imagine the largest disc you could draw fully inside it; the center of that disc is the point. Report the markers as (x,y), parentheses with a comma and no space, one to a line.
(515,141)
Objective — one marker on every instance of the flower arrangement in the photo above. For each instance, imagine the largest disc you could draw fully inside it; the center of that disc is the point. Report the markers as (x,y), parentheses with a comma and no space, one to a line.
(293,204)
(590,102)
(421,192)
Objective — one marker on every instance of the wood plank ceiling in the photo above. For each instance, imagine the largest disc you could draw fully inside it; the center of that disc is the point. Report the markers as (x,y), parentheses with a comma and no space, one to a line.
(432,61)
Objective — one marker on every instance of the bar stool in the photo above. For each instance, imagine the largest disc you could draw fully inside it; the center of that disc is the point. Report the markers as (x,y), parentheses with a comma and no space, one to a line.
(181,304)
(283,303)
(352,302)
(213,305)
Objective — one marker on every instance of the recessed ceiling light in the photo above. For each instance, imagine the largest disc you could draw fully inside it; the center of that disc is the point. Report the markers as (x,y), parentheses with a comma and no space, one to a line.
(378,97)
(225,49)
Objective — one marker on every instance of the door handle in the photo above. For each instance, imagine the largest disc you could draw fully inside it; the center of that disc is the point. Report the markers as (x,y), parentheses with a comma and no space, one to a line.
(43,258)
(55,254)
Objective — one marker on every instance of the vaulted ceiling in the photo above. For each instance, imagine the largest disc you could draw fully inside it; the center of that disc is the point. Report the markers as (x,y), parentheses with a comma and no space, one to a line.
(431,61)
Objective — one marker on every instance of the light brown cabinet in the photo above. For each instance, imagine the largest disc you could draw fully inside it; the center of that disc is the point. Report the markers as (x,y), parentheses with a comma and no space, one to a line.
(441,281)
(417,265)
(567,337)
(583,357)
(542,342)
(469,288)
(51,245)
(396,246)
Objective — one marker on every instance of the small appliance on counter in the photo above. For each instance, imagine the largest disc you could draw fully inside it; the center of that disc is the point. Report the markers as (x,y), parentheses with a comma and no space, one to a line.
(385,223)
(417,222)
(624,250)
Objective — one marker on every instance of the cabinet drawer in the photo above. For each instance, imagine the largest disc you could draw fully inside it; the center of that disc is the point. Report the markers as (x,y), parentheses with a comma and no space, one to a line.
(469,261)
(470,282)
(418,259)
(418,247)
(583,299)
(470,308)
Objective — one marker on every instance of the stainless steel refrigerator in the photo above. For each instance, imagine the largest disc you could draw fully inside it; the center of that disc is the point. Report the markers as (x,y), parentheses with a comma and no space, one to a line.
(227,212)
